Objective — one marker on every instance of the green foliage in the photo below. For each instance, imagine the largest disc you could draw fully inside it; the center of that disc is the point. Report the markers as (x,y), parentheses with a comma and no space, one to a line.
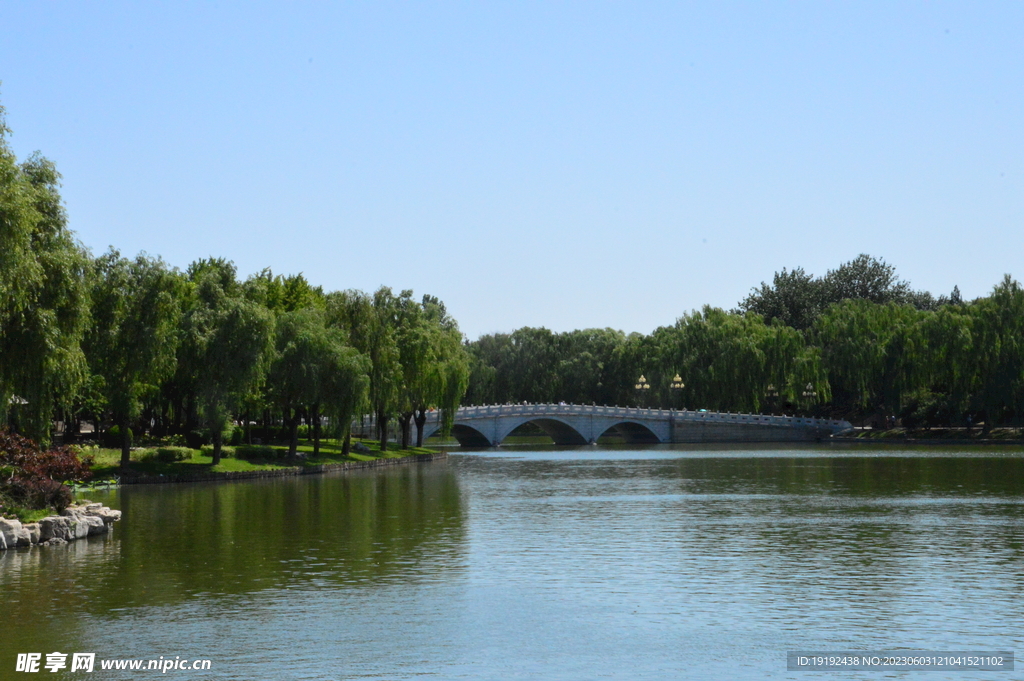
(228,344)
(258,453)
(34,478)
(172,454)
(798,299)
(43,298)
(314,367)
(131,343)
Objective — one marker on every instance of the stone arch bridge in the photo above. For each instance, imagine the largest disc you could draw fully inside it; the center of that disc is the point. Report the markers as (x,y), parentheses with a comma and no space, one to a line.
(573,424)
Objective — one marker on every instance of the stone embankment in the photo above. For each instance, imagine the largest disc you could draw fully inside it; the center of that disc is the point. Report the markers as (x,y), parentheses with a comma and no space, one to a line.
(75,522)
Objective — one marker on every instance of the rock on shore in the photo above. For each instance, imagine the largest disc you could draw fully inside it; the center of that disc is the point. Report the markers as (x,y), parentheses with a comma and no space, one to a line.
(74,522)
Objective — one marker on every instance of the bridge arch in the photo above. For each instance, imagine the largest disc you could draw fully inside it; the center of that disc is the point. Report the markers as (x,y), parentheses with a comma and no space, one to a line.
(468,436)
(633,432)
(557,429)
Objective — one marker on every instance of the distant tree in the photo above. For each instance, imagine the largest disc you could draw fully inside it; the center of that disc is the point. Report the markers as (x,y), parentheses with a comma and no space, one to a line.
(447,372)
(131,343)
(874,354)
(342,389)
(229,341)
(43,293)
(798,299)
(416,355)
(998,324)
(283,294)
(314,369)
(795,298)
(727,362)
(371,324)
(865,278)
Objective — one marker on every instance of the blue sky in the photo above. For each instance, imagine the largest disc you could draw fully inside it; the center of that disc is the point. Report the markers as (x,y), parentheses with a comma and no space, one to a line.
(565,165)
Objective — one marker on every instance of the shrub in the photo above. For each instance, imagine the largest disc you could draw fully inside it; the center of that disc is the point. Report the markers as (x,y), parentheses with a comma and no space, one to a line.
(173,454)
(177,440)
(226,452)
(250,452)
(42,493)
(35,478)
(237,436)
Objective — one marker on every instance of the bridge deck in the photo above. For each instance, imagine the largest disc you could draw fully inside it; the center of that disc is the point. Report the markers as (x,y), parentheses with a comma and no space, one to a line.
(492,410)
(580,424)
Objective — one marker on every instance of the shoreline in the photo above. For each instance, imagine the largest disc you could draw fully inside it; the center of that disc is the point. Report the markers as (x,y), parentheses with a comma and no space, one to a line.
(292,471)
(926,441)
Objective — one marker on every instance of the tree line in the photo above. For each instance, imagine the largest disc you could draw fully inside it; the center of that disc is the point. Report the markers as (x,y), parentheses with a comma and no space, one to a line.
(857,343)
(141,345)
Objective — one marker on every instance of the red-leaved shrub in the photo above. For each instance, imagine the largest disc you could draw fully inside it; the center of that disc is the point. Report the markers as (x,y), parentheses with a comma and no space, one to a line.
(35,478)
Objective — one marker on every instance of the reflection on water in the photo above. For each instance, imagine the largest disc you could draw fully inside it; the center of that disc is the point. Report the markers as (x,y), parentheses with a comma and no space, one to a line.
(569,563)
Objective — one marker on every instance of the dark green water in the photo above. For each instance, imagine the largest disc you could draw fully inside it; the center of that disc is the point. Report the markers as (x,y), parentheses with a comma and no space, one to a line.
(581,563)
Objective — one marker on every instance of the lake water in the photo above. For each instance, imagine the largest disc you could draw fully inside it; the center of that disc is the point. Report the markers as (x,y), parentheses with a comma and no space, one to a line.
(578,563)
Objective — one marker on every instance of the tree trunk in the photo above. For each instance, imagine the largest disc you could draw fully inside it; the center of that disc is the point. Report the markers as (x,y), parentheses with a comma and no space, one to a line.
(218,443)
(346,446)
(293,432)
(314,413)
(126,442)
(421,422)
(382,430)
(405,420)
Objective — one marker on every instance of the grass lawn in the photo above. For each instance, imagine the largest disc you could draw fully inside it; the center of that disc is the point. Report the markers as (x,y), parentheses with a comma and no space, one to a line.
(144,460)
(974,433)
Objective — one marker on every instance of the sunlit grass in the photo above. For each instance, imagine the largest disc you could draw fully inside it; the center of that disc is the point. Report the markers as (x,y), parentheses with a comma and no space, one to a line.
(975,433)
(107,462)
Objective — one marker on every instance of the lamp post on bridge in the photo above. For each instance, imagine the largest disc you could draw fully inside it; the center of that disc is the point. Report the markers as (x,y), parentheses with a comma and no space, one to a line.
(809,393)
(643,389)
(773,396)
(675,387)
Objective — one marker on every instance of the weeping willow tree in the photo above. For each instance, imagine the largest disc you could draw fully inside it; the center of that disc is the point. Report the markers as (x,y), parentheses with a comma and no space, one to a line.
(453,380)
(343,389)
(314,370)
(874,353)
(231,340)
(733,362)
(947,359)
(43,295)
(132,340)
(998,352)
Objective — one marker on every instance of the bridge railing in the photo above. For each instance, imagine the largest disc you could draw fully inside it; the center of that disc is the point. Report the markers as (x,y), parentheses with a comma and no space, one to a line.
(493,410)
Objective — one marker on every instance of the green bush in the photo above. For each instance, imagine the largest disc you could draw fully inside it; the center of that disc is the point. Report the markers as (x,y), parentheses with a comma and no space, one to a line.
(226,452)
(173,454)
(236,437)
(250,452)
(112,437)
(176,441)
